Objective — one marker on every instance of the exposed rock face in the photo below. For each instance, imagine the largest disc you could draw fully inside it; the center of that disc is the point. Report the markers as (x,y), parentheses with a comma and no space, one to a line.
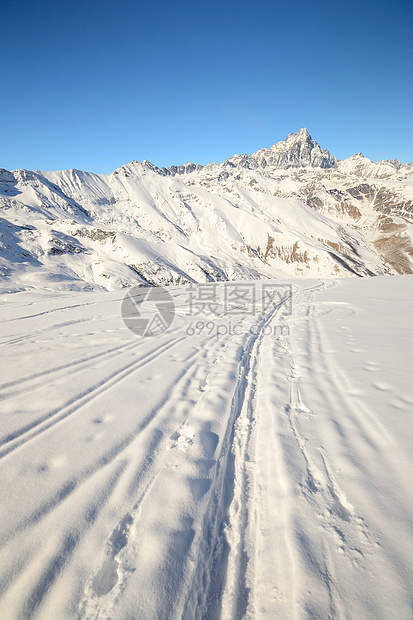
(296,151)
(172,170)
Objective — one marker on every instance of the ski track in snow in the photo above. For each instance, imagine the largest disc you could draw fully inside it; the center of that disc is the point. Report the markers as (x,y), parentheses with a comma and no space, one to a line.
(231,476)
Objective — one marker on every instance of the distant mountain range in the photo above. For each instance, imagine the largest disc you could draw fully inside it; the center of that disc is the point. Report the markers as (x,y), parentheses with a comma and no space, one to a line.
(290,210)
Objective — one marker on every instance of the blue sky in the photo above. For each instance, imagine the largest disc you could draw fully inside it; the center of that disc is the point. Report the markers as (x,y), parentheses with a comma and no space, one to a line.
(95,84)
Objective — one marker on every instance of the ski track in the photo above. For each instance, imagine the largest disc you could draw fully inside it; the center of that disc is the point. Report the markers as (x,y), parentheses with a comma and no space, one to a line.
(344,534)
(51,418)
(242,447)
(115,450)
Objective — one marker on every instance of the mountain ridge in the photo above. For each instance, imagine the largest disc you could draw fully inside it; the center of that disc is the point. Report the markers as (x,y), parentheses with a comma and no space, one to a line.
(291,210)
(300,138)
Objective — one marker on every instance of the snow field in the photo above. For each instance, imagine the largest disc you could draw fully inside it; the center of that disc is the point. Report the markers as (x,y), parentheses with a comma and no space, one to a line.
(238,473)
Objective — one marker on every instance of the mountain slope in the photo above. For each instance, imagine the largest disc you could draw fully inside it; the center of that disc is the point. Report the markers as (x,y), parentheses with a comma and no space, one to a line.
(291,210)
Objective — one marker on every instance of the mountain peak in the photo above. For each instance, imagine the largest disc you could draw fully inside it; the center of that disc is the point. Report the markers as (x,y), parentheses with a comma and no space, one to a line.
(302,134)
(6,176)
(298,150)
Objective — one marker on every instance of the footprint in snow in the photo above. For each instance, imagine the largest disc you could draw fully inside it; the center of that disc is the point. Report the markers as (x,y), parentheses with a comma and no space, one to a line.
(182,439)
(295,372)
(302,409)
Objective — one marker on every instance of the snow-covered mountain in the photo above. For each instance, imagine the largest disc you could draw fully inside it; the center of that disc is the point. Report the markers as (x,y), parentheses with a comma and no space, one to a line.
(290,210)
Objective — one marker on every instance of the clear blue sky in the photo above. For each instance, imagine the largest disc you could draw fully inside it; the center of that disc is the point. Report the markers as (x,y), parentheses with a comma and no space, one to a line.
(93,84)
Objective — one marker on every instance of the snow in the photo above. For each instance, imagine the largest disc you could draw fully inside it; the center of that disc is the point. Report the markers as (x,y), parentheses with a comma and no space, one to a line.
(253,460)
(252,465)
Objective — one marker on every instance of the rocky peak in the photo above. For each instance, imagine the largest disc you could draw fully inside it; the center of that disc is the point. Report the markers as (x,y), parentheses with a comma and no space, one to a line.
(6,176)
(184,169)
(302,133)
(298,150)
(171,171)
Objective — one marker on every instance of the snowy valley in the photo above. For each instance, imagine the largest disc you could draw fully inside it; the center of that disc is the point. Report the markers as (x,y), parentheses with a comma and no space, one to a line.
(251,457)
